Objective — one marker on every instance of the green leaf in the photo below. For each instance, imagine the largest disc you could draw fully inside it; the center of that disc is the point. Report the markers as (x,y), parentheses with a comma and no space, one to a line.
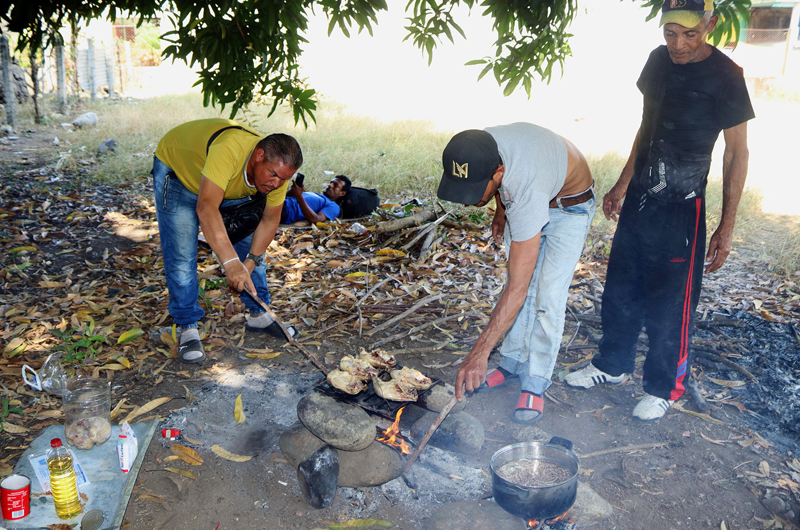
(131,334)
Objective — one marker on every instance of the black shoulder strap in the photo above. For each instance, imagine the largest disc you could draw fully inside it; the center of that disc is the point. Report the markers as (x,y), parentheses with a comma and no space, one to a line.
(214,136)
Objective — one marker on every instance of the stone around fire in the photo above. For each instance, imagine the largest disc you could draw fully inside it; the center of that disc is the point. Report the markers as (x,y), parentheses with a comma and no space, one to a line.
(343,426)
(589,508)
(318,476)
(373,466)
(458,432)
(474,515)
(438,397)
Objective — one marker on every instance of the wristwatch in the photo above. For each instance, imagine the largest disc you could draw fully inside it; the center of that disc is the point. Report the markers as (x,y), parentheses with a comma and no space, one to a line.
(257,259)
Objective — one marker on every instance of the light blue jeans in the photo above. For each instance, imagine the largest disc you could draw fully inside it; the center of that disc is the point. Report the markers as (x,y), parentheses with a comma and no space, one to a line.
(178,226)
(531,345)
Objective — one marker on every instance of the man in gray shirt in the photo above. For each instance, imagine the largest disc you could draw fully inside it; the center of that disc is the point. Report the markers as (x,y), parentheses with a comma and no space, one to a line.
(543,190)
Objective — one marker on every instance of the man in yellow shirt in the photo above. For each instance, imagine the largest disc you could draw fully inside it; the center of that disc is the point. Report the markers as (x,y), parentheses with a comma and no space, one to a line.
(199,167)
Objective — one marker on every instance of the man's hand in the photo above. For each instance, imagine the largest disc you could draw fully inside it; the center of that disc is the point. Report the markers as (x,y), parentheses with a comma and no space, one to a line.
(238,277)
(498,228)
(718,249)
(612,201)
(296,190)
(471,374)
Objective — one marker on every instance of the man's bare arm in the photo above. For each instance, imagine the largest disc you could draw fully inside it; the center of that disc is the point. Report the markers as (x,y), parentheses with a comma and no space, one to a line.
(265,233)
(521,264)
(612,201)
(310,215)
(209,198)
(734,174)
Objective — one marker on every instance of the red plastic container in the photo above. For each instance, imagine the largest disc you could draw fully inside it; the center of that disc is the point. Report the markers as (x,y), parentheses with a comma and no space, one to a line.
(15,497)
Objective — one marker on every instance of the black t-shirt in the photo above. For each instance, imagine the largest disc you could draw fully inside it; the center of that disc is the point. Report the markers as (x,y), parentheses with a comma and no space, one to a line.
(700,100)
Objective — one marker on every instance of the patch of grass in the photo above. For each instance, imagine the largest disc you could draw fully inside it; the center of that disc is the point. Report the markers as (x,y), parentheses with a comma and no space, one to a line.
(401,159)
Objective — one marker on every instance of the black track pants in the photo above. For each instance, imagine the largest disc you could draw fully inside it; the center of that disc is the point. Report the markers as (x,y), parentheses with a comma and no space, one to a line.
(653,280)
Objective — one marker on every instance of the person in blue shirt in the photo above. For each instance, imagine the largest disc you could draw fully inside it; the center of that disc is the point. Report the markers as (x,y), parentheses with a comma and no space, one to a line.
(314,207)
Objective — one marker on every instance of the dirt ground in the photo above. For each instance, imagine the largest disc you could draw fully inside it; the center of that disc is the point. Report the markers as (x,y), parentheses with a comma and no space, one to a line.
(735,468)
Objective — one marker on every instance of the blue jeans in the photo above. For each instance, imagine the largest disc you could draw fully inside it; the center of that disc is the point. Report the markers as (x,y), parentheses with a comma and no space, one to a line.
(531,345)
(178,226)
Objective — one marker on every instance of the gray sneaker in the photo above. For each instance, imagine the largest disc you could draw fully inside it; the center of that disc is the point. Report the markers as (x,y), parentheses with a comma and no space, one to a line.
(590,376)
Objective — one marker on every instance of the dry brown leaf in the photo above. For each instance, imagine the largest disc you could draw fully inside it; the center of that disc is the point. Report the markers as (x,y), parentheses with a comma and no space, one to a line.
(238,410)
(14,429)
(187,454)
(153,498)
(187,474)
(147,407)
(725,382)
(227,455)
(192,440)
(718,442)
(763,467)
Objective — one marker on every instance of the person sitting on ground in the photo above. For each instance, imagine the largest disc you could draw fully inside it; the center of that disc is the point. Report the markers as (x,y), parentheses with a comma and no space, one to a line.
(302,206)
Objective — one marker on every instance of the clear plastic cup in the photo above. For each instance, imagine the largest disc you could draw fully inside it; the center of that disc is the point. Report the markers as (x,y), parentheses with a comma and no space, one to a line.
(87,409)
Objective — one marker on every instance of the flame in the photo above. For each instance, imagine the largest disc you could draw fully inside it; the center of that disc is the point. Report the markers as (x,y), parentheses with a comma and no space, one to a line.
(536,523)
(391,436)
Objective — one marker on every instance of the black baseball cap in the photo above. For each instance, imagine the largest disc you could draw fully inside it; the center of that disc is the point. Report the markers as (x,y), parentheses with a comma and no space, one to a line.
(687,13)
(470,159)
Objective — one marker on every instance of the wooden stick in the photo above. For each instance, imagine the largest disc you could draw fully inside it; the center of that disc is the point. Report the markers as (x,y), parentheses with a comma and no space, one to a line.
(442,415)
(398,318)
(286,332)
(626,449)
(425,326)
(730,364)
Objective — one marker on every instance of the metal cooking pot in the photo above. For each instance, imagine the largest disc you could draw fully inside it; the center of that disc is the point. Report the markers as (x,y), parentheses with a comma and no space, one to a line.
(536,502)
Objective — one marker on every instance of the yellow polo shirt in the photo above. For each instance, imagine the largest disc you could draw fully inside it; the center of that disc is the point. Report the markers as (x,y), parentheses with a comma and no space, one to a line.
(183,149)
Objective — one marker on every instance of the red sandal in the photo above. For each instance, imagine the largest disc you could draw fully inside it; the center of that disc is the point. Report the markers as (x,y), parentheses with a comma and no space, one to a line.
(528,402)
(497,379)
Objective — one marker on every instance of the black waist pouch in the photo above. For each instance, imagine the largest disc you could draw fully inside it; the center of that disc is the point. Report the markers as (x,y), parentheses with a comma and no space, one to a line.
(242,219)
(673,175)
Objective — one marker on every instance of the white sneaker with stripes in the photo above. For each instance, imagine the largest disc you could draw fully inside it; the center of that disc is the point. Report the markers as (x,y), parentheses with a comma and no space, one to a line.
(651,408)
(590,376)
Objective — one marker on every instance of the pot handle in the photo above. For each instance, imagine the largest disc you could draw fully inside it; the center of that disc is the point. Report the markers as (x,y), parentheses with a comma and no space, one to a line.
(563,442)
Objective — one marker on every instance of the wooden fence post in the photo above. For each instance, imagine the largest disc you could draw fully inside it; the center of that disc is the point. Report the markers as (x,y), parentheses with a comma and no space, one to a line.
(61,79)
(90,69)
(10,97)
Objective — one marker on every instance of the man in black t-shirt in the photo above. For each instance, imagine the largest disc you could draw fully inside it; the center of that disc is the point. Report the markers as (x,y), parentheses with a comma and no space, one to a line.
(691,92)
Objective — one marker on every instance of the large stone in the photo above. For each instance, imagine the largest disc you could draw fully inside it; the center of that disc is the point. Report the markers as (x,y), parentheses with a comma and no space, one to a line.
(373,466)
(318,476)
(439,396)
(343,426)
(473,515)
(87,119)
(458,432)
(589,508)
(109,146)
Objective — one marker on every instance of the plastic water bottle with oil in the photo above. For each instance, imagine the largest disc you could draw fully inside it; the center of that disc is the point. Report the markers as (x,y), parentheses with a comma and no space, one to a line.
(63,483)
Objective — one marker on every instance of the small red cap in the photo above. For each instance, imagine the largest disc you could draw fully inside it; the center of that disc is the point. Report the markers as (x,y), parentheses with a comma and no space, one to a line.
(55,442)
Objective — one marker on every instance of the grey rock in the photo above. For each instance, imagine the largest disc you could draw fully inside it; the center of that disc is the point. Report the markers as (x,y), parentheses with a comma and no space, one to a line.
(109,146)
(438,397)
(473,515)
(7,130)
(373,466)
(343,426)
(297,443)
(318,475)
(87,119)
(589,508)
(458,432)
(774,504)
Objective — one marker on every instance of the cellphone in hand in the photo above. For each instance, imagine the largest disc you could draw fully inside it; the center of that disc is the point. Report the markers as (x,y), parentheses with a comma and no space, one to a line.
(298,180)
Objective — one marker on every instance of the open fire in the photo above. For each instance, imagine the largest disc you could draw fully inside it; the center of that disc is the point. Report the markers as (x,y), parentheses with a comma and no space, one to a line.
(560,522)
(392,436)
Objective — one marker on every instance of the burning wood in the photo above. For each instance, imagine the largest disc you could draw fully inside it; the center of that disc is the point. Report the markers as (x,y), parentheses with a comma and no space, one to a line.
(560,522)
(392,437)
